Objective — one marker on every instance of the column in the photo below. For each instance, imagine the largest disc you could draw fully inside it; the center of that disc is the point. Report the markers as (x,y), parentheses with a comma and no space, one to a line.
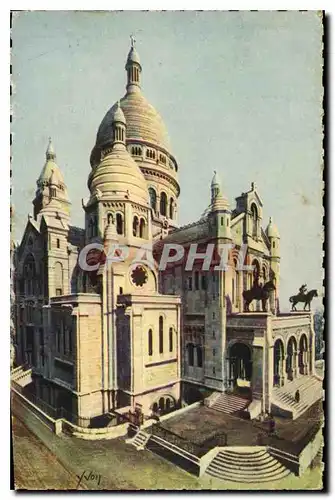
(227,377)
(306,371)
(294,364)
(282,371)
(195,356)
(257,373)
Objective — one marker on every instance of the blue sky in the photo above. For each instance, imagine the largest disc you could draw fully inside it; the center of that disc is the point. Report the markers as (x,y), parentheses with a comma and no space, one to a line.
(239,92)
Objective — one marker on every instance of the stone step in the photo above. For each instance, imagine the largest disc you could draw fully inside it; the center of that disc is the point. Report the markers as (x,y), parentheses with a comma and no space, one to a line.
(245,454)
(280,474)
(249,462)
(246,466)
(140,440)
(266,469)
(227,403)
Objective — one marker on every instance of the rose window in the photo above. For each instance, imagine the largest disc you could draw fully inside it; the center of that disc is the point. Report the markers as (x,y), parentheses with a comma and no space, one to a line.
(139,276)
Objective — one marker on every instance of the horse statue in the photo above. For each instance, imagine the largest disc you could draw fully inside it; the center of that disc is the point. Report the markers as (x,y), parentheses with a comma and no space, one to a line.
(258,293)
(303,297)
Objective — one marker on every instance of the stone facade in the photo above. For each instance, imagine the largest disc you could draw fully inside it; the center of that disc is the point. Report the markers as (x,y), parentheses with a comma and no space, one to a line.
(129,334)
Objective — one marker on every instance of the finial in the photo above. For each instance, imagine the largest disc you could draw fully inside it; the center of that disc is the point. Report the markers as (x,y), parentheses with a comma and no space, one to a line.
(132,41)
(253,186)
(270,220)
(50,153)
(214,172)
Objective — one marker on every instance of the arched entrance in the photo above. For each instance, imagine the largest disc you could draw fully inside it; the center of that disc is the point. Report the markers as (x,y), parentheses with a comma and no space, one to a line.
(291,359)
(239,365)
(165,404)
(278,363)
(303,355)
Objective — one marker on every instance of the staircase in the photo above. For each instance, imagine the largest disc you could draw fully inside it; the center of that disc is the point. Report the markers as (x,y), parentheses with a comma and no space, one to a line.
(140,440)
(246,465)
(284,402)
(21,375)
(229,403)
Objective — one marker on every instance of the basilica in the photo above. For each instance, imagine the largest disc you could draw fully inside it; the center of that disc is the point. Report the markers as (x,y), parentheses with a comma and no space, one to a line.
(129,334)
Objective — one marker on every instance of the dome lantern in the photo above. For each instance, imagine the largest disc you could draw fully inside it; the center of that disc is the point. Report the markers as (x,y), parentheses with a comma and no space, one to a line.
(119,127)
(133,68)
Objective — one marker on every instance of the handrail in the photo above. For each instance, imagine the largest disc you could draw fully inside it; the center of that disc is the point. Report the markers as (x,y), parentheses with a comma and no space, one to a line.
(180,451)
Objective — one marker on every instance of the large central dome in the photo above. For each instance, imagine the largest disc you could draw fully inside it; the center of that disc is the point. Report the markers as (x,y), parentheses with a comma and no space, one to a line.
(143,122)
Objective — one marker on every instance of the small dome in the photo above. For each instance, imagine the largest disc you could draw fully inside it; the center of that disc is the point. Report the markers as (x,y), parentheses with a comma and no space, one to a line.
(119,175)
(133,57)
(50,169)
(220,203)
(272,230)
(119,115)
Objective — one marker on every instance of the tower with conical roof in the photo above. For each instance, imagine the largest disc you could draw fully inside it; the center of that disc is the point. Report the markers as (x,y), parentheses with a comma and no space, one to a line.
(51,195)
(219,211)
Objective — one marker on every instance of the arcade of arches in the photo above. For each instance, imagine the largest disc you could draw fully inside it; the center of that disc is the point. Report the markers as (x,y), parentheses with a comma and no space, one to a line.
(165,404)
(293,361)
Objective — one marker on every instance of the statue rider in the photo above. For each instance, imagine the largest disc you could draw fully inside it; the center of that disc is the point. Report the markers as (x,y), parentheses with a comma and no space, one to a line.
(303,290)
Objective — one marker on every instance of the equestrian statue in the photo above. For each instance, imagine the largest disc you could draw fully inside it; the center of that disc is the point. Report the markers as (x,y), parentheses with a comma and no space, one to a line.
(258,292)
(303,296)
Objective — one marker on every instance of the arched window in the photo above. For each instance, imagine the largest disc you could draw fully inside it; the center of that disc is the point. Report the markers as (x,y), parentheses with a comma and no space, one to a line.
(171,209)
(254,220)
(265,278)
(153,198)
(199,356)
(170,339)
(119,224)
(142,228)
(93,226)
(190,354)
(235,285)
(163,203)
(150,348)
(161,335)
(135,226)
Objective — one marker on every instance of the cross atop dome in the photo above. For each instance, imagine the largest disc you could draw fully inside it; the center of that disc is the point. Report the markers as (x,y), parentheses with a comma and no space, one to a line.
(132,41)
